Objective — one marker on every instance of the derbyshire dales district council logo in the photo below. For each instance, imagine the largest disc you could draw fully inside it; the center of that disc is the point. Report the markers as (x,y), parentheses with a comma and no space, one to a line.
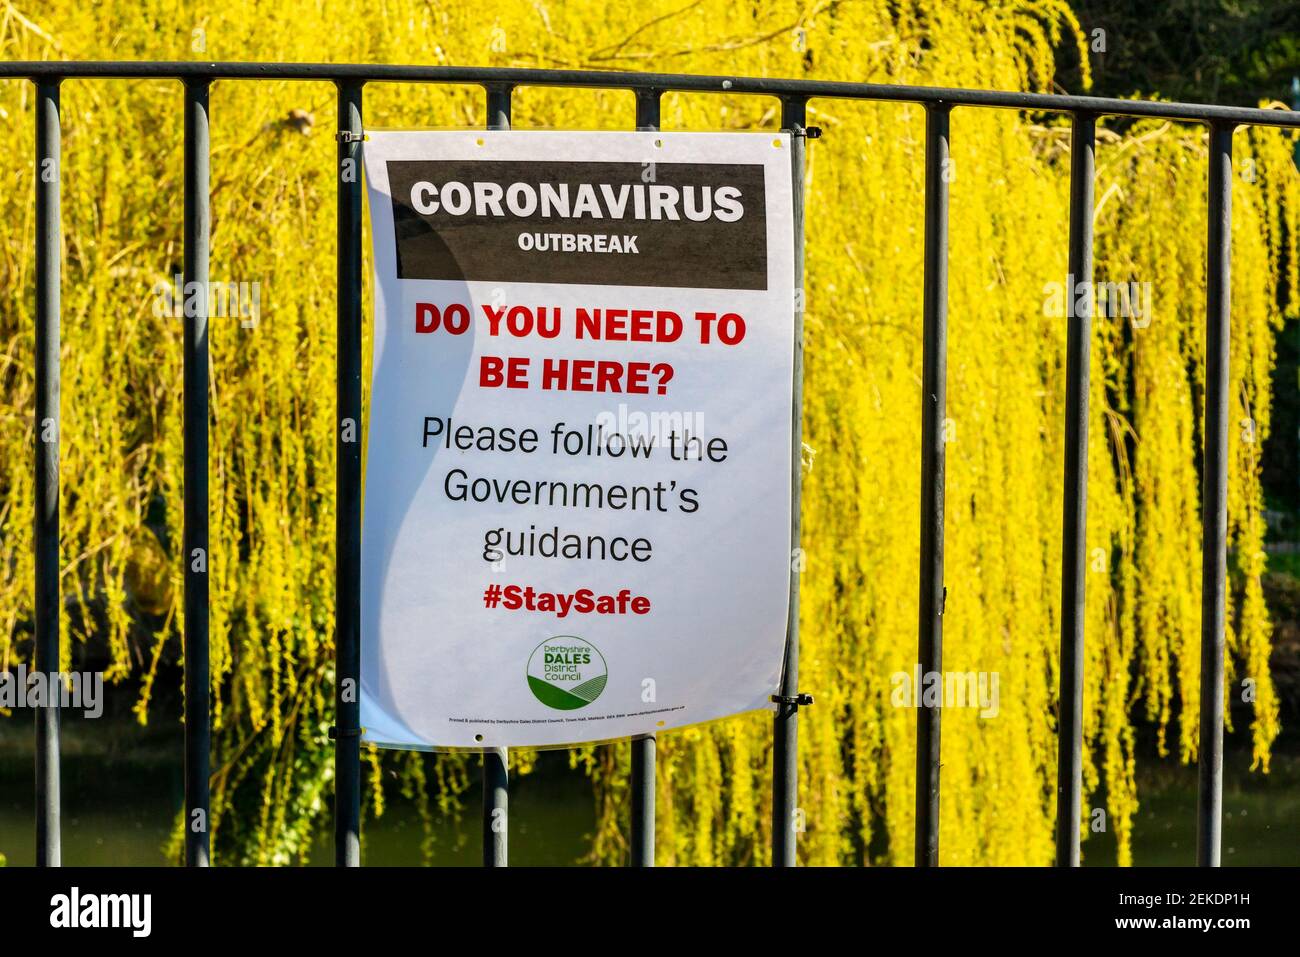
(566,673)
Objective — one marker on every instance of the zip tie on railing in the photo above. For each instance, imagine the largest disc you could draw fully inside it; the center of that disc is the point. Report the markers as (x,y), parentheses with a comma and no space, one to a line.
(347,136)
(811,132)
(800,700)
(336,732)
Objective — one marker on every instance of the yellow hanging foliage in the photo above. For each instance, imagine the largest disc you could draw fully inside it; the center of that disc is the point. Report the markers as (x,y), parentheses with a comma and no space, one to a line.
(272,430)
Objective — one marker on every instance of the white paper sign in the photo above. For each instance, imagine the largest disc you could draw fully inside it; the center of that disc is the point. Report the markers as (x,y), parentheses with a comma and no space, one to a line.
(577,489)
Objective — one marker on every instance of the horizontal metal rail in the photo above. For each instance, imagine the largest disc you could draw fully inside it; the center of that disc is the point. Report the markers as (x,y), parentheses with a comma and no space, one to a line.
(663,82)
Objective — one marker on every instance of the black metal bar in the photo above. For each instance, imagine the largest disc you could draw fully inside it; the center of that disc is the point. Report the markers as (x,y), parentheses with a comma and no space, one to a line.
(665,82)
(46,530)
(1074,519)
(498,106)
(496,762)
(786,825)
(347,516)
(644,747)
(647,109)
(496,808)
(1214,504)
(198,731)
(933,409)
(643,800)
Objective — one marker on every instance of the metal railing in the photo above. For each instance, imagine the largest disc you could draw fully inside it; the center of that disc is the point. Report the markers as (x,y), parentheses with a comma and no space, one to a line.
(498,85)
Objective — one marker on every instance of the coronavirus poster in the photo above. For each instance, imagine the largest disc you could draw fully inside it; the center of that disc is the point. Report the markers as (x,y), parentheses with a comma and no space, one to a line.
(578,445)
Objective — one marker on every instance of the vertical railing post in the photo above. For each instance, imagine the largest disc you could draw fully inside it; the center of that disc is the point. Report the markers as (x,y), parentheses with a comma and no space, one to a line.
(496,762)
(1214,512)
(643,800)
(933,409)
(347,515)
(1074,521)
(498,106)
(47,424)
(496,808)
(785,729)
(198,732)
(644,746)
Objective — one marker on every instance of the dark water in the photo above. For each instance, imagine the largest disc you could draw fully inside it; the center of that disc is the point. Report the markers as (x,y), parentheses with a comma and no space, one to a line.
(122,787)
(1261,815)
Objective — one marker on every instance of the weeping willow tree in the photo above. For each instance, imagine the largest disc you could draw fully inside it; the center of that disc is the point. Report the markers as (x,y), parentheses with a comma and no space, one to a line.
(272,422)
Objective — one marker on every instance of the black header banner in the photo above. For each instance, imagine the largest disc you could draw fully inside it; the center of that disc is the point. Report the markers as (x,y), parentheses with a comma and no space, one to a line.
(682,225)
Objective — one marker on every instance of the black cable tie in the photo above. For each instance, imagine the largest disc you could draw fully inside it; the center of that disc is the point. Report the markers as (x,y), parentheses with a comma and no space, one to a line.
(800,700)
(811,132)
(336,732)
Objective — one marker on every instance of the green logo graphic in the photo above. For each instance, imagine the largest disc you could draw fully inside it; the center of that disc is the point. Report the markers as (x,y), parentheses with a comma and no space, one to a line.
(566,673)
